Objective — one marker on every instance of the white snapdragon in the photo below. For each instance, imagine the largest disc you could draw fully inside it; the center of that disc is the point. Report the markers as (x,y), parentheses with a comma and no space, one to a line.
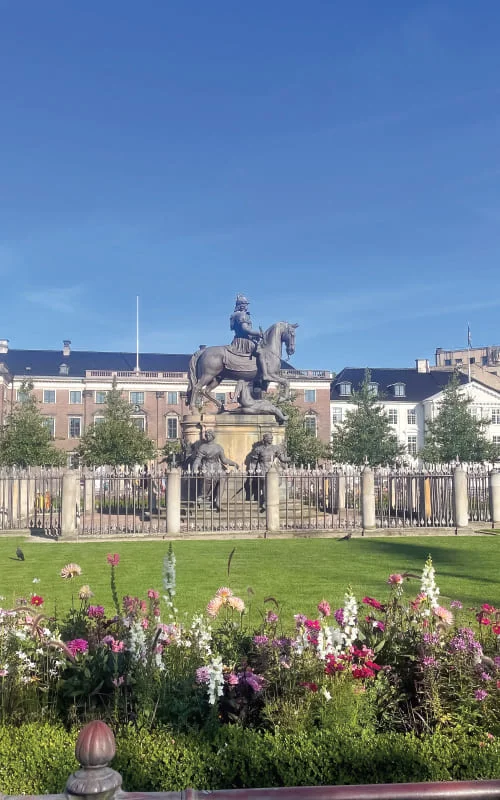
(428,583)
(137,641)
(350,624)
(201,634)
(216,680)
(333,641)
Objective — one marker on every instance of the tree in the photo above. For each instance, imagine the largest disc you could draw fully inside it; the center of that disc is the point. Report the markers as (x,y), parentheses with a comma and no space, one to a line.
(25,440)
(455,431)
(366,433)
(302,446)
(115,440)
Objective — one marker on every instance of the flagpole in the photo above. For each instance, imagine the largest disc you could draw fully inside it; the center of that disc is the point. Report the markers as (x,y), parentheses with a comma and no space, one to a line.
(468,349)
(137,334)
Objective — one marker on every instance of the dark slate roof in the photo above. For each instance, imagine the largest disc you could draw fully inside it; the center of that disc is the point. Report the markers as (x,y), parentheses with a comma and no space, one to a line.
(47,362)
(419,385)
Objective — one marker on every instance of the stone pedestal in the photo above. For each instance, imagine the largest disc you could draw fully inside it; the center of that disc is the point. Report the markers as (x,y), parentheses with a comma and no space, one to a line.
(237,433)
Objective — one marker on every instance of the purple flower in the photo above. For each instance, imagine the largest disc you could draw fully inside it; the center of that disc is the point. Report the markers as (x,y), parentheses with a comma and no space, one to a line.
(379,625)
(485,676)
(271,618)
(480,694)
(456,604)
(95,612)
(232,679)
(108,640)
(260,640)
(299,620)
(77,646)
(202,675)
(429,661)
(339,616)
(431,638)
(497,661)
(281,643)
(256,682)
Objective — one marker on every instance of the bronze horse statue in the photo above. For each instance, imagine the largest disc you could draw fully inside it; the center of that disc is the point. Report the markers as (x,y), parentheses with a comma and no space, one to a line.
(211,365)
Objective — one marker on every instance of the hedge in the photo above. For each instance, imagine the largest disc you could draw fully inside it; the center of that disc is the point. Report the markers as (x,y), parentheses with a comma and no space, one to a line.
(38,758)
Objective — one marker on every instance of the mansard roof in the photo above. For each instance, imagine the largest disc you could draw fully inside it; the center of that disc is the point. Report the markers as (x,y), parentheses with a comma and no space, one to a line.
(418,385)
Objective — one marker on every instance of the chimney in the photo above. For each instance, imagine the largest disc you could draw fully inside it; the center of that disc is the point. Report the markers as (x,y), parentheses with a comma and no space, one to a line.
(422,364)
(66,348)
(4,345)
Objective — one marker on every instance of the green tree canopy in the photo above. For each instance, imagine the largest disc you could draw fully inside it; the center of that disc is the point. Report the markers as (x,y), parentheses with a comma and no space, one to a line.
(455,431)
(366,432)
(25,440)
(115,440)
(302,446)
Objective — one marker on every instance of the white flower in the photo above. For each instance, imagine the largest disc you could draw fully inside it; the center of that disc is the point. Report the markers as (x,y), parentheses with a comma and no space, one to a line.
(216,680)
(428,583)
(350,627)
(169,574)
(36,580)
(326,694)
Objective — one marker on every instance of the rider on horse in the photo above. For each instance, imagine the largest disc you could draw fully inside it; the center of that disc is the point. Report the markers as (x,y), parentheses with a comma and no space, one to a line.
(246,341)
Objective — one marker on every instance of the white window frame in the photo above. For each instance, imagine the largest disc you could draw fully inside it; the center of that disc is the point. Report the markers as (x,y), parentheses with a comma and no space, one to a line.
(176,419)
(75,402)
(105,392)
(309,417)
(392,415)
(337,412)
(136,402)
(49,402)
(21,396)
(495,416)
(99,419)
(311,399)
(172,402)
(373,388)
(142,418)
(412,444)
(52,427)
(70,419)
(400,389)
(220,396)
(345,389)
(411,416)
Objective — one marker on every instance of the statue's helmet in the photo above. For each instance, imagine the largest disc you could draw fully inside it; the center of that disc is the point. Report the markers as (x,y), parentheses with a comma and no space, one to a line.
(241,300)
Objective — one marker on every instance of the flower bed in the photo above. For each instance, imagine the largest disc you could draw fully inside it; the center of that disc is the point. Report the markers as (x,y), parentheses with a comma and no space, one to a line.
(404,663)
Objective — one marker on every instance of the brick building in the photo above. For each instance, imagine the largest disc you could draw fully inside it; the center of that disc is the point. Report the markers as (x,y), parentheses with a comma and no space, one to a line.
(71,386)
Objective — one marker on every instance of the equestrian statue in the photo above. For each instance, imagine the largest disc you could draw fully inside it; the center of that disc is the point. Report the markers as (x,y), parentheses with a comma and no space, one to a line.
(253,358)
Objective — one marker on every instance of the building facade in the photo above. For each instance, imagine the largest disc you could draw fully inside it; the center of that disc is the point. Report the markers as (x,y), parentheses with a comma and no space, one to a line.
(411,397)
(487,357)
(71,387)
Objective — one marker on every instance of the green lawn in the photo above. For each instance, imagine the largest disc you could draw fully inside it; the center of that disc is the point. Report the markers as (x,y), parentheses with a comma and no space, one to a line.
(298,573)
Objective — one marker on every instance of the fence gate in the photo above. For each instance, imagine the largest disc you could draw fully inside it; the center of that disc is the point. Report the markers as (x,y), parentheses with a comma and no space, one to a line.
(478,493)
(413,498)
(113,503)
(317,499)
(231,501)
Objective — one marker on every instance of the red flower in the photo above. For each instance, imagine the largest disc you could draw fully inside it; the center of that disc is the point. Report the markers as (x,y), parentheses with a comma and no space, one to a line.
(113,559)
(496,629)
(313,687)
(486,607)
(370,601)
(36,600)
(485,621)
(313,624)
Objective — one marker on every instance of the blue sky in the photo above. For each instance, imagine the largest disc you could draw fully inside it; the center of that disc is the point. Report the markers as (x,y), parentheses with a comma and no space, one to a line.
(337,162)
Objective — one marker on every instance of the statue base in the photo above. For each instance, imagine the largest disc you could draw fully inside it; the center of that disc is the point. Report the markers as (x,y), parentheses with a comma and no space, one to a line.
(237,433)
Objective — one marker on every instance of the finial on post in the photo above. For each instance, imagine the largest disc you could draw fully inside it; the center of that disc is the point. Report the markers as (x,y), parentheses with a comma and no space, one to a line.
(94,749)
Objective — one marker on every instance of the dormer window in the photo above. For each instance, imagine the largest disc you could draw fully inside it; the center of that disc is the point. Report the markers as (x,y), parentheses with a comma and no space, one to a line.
(373,388)
(399,390)
(63,369)
(345,388)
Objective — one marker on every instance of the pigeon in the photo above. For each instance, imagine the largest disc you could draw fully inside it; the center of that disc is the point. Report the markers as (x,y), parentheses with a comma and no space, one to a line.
(20,554)
(345,538)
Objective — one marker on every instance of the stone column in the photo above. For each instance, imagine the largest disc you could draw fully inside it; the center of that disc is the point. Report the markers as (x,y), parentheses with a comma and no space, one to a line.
(174,501)
(460,499)
(272,500)
(24,502)
(368,498)
(70,498)
(341,490)
(495,497)
(88,493)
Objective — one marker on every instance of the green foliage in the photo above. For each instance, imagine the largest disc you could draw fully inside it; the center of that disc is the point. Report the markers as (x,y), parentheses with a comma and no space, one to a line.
(172,448)
(302,446)
(366,432)
(455,431)
(116,440)
(38,758)
(25,440)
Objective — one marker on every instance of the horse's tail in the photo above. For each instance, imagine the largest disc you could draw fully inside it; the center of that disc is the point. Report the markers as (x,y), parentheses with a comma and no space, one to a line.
(192,379)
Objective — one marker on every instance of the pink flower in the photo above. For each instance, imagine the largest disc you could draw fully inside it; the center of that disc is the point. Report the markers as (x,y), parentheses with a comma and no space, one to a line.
(237,604)
(232,679)
(370,601)
(313,624)
(113,559)
(443,614)
(395,579)
(214,606)
(95,612)
(324,608)
(260,640)
(496,629)
(456,604)
(202,675)
(485,621)
(117,647)
(380,626)
(480,694)
(313,687)
(156,612)
(145,623)
(4,673)
(489,609)
(77,646)
(224,592)
(256,682)
(299,619)
(153,595)
(271,617)
(118,681)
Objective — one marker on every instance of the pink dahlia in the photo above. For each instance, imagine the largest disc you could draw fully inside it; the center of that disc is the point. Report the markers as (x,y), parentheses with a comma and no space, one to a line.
(214,606)
(395,579)
(77,646)
(237,604)
(324,608)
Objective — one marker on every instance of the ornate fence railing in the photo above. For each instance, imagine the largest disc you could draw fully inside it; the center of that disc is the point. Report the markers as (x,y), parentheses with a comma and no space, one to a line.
(32,499)
(414,498)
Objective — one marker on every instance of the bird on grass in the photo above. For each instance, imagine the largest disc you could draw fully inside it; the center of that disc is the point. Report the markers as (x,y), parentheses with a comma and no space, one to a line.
(345,538)
(20,554)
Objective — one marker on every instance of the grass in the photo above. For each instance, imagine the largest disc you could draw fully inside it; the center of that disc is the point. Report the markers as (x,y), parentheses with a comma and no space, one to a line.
(298,573)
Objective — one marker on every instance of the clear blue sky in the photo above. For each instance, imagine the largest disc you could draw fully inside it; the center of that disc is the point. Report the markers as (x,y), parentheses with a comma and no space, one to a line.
(336,161)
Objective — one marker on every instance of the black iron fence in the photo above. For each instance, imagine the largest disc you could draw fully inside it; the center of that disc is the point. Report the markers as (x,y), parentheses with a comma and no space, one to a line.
(31,499)
(409,498)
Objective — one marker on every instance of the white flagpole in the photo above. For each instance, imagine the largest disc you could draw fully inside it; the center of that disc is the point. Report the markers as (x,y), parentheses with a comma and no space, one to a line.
(137,335)
(468,350)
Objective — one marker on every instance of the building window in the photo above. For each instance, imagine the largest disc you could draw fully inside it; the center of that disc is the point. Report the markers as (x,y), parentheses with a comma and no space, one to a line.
(309,395)
(393,416)
(495,416)
(172,400)
(50,423)
(221,397)
(99,420)
(137,398)
(412,445)
(472,360)
(336,416)
(458,361)
(484,360)
(373,388)
(399,390)
(447,362)
(100,398)
(75,398)
(22,396)
(75,427)
(140,423)
(172,428)
(345,389)
(63,369)
(310,424)
(412,416)
(49,396)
